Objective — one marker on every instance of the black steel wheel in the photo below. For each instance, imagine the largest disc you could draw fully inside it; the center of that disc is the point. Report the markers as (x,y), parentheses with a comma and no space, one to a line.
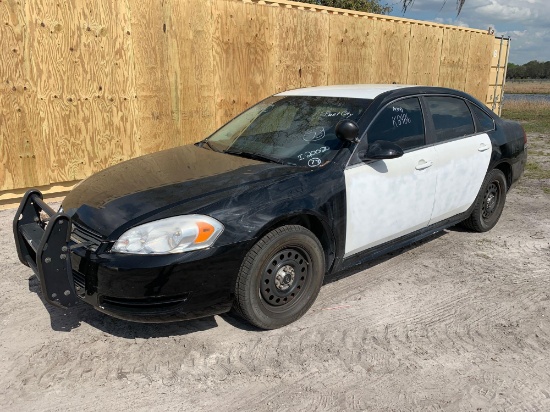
(489,203)
(284,277)
(280,277)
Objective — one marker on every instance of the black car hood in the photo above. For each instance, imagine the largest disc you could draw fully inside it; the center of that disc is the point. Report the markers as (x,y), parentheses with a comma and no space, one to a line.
(187,176)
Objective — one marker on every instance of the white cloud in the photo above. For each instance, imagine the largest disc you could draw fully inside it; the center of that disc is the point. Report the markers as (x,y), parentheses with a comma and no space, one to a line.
(451,21)
(518,12)
(526,21)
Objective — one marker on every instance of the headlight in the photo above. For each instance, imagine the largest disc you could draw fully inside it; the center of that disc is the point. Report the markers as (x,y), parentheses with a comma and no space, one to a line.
(172,235)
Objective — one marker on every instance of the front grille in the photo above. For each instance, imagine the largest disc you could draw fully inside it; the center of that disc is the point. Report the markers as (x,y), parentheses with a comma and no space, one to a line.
(81,234)
(79,280)
(156,305)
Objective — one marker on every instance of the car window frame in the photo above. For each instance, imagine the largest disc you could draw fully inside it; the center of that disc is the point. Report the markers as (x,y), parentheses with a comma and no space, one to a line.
(476,120)
(432,125)
(361,120)
(363,139)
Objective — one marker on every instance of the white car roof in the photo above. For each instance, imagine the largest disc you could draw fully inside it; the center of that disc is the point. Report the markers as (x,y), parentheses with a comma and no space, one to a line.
(357,91)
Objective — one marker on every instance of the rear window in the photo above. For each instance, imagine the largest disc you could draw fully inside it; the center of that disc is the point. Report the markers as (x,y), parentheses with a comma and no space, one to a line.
(451,118)
(486,122)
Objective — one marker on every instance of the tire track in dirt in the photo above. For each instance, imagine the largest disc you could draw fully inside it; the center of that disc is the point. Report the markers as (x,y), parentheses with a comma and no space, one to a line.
(377,354)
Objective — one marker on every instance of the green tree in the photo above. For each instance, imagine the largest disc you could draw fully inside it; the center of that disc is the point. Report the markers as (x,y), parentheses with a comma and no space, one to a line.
(369,6)
(532,70)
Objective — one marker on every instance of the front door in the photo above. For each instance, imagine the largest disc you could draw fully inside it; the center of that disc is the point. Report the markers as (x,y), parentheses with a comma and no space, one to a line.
(386,199)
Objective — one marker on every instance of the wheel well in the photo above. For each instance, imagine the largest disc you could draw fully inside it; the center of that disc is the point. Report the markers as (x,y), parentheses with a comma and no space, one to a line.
(507,170)
(313,224)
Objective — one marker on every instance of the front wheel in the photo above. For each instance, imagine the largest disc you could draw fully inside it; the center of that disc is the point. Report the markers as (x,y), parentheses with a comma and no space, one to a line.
(489,203)
(280,277)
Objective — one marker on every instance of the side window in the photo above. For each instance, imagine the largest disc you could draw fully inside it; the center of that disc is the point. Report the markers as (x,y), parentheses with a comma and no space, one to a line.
(401,123)
(451,118)
(485,121)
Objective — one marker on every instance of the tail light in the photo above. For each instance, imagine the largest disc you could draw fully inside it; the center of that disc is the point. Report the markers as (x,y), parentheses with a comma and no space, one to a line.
(524,135)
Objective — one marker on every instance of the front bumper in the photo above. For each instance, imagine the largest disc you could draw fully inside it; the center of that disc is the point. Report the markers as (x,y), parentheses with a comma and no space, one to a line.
(72,265)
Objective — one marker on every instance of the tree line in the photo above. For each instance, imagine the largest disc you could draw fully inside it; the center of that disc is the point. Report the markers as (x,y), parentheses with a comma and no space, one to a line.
(369,6)
(532,70)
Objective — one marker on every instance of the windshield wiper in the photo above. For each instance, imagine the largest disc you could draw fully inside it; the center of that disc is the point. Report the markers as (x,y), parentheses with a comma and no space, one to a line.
(258,156)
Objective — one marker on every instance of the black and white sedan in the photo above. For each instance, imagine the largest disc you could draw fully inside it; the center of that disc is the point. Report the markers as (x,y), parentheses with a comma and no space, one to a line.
(303,184)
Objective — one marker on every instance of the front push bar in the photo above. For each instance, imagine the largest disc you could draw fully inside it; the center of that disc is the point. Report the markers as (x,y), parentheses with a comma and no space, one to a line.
(42,239)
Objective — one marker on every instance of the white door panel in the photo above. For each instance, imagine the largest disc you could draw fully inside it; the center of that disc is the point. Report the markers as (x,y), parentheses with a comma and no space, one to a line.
(461,166)
(388,198)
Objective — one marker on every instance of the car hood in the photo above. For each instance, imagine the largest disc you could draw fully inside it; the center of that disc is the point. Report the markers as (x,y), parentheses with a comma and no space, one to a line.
(189,177)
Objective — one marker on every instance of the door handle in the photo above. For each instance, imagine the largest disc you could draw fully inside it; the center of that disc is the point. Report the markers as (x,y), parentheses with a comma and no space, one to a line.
(482,147)
(422,164)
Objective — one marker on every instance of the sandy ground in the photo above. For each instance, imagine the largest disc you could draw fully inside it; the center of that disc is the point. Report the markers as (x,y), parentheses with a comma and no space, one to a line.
(460,321)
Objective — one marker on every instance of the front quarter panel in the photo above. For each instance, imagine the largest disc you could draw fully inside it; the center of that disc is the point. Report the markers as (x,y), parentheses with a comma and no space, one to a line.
(318,193)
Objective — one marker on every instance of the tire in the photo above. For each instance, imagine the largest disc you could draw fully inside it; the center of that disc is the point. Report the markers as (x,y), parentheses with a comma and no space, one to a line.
(280,277)
(489,203)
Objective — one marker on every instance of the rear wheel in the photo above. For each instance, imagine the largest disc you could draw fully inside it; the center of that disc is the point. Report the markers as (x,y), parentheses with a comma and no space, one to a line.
(489,203)
(280,277)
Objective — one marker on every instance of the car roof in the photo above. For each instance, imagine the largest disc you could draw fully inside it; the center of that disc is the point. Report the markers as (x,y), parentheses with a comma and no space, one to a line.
(356,91)
(381,93)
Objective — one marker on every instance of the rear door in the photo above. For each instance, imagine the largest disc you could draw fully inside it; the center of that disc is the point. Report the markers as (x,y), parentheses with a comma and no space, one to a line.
(462,155)
(386,199)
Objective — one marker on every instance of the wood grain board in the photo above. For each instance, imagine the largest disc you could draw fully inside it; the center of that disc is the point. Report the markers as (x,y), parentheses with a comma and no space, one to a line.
(87,84)
(500,48)
(424,55)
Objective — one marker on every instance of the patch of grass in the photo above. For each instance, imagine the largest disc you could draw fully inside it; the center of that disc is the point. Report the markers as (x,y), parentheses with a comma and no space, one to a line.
(534,115)
(484,241)
(527,87)
(535,118)
(536,171)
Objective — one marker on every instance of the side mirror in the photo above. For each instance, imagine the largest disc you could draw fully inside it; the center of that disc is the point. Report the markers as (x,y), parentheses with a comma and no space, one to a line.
(382,149)
(347,130)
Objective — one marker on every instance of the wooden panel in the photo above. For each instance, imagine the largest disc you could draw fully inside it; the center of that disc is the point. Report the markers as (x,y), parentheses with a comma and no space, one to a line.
(496,75)
(313,37)
(244,57)
(499,52)
(23,156)
(497,108)
(301,48)
(189,43)
(478,61)
(350,50)
(288,68)
(391,52)
(454,59)
(505,53)
(84,85)
(424,55)
(493,94)
(152,81)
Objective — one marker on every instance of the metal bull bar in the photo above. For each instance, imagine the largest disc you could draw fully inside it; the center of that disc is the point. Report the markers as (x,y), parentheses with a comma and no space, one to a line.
(43,245)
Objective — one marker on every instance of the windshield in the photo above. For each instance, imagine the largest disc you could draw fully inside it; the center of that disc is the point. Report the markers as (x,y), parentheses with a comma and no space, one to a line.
(294,130)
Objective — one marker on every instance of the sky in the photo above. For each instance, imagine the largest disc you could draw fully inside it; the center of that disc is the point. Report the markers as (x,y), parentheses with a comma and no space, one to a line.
(527,22)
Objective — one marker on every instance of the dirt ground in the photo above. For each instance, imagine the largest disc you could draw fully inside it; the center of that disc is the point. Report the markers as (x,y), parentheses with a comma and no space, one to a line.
(459,322)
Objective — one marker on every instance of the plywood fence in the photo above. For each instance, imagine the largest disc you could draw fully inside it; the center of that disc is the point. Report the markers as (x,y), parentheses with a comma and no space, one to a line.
(86,84)
(497,73)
